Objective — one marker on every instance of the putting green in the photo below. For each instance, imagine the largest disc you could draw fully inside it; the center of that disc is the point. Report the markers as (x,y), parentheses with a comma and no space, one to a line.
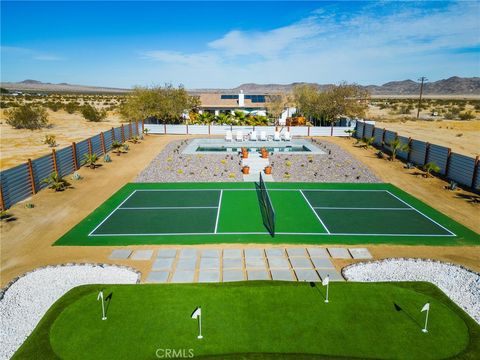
(256,320)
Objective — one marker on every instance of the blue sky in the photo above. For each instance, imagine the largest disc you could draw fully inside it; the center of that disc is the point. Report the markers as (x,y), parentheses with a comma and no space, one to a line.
(223,44)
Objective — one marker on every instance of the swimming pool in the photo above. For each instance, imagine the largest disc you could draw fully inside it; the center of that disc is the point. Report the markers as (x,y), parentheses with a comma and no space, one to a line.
(220,146)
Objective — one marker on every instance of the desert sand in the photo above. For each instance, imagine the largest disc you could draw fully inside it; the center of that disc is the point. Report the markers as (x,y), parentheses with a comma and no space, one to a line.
(18,145)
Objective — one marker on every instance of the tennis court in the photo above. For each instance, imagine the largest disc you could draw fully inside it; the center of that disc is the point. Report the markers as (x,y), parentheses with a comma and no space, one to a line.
(287,213)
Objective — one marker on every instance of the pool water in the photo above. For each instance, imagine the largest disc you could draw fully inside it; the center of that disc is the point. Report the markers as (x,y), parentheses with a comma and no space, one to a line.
(251,149)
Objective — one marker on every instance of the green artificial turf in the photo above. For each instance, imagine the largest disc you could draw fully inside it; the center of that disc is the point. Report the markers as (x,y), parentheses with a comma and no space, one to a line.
(239,219)
(257,320)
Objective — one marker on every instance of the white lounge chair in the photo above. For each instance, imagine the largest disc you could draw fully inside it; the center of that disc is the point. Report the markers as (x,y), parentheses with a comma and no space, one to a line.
(287,136)
(228,136)
(263,136)
(276,136)
(253,136)
(239,135)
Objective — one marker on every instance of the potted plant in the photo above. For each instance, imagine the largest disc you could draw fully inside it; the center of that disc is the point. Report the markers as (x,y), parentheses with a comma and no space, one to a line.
(264,154)
(244,153)
(246,170)
(268,170)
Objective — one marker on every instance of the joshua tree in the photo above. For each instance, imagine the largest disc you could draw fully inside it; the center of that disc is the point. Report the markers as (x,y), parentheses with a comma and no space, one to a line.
(429,167)
(90,160)
(396,146)
(56,182)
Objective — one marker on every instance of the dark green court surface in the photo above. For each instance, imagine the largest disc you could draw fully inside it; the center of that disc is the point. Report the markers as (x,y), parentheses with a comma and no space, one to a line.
(255,320)
(193,213)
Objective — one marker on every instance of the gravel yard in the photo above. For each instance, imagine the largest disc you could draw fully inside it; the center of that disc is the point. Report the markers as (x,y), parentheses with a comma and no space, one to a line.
(336,165)
(25,302)
(461,285)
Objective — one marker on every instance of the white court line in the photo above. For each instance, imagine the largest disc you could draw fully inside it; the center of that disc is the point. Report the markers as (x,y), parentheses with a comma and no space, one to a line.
(354,190)
(421,213)
(167,207)
(311,207)
(218,210)
(277,233)
(123,202)
(358,208)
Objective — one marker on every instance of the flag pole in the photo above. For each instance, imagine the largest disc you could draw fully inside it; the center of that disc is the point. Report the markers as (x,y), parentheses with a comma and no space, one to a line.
(326,298)
(426,321)
(200,327)
(100,297)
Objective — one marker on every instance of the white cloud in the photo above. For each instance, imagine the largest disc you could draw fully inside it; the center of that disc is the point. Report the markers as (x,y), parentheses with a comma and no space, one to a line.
(30,53)
(370,46)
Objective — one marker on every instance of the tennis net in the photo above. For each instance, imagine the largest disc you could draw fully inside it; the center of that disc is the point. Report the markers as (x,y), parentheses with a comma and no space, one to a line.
(268,212)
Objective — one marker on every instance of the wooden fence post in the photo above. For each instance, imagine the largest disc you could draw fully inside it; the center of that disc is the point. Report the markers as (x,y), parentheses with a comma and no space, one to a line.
(331,129)
(364,126)
(54,158)
(308,133)
(475,171)
(2,200)
(208,129)
(89,141)
(30,174)
(74,155)
(187,128)
(165,128)
(447,165)
(122,132)
(427,150)
(102,141)
(383,135)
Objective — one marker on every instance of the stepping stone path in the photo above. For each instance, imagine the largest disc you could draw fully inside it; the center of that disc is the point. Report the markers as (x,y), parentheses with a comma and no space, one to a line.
(186,265)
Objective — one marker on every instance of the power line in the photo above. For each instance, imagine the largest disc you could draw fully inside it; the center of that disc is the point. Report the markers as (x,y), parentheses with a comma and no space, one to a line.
(422,79)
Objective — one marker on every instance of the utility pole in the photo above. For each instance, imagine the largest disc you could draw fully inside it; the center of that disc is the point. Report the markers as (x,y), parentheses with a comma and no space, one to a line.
(422,79)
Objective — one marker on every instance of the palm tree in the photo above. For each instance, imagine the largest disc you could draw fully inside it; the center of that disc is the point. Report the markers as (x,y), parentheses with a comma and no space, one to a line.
(396,146)
(90,160)
(240,117)
(224,118)
(429,167)
(56,182)
(205,118)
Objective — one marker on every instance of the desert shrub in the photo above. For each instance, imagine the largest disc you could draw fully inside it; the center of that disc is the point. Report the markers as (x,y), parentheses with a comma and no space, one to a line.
(54,106)
(91,113)
(466,115)
(50,140)
(27,117)
(71,107)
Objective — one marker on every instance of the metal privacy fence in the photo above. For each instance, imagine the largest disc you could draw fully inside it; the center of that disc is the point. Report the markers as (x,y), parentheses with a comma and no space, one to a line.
(462,169)
(22,181)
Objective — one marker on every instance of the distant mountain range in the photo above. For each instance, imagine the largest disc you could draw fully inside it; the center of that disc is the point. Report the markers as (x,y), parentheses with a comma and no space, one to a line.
(452,86)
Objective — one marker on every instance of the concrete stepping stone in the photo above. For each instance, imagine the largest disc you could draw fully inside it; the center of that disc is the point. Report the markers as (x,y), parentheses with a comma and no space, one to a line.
(162,264)
(306,275)
(339,253)
(142,255)
(232,275)
(275,252)
(183,276)
(282,275)
(210,263)
(322,263)
(257,275)
(232,263)
(318,252)
(186,264)
(334,275)
(293,252)
(186,253)
(157,277)
(210,253)
(253,253)
(360,253)
(301,263)
(167,253)
(254,263)
(120,254)
(209,276)
(232,253)
(278,262)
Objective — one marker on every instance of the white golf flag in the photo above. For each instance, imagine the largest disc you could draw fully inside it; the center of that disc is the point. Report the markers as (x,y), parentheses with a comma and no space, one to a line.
(197,313)
(326,281)
(426,307)
(100,295)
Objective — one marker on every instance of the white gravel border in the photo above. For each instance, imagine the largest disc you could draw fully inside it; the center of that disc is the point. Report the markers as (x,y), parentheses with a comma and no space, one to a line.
(461,285)
(26,299)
